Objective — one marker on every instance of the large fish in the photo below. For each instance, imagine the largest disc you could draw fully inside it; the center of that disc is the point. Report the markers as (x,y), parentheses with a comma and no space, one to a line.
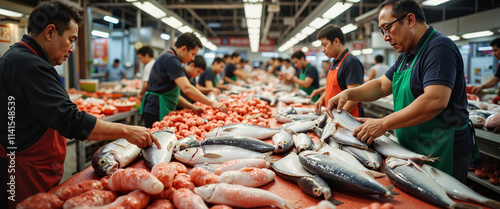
(318,131)
(114,155)
(216,154)
(302,142)
(345,137)
(387,147)
(289,168)
(343,176)
(346,120)
(457,189)
(304,126)
(239,129)
(186,142)
(329,128)
(239,141)
(283,141)
(409,177)
(152,155)
(321,120)
(369,159)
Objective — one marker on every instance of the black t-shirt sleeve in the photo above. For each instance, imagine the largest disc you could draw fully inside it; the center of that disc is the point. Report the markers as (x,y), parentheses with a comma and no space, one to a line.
(230,70)
(312,72)
(354,72)
(174,69)
(438,67)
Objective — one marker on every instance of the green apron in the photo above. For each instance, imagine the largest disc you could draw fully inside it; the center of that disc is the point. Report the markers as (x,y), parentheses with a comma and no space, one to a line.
(215,78)
(168,101)
(433,137)
(234,78)
(311,88)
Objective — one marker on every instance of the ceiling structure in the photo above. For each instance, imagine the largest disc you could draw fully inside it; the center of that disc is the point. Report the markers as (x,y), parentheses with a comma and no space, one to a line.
(226,18)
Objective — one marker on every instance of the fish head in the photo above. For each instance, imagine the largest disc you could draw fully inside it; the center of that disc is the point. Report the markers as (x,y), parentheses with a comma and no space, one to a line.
(281,146)
(226,177)
(188,154)
(205,192)
(319,191)
(106,164)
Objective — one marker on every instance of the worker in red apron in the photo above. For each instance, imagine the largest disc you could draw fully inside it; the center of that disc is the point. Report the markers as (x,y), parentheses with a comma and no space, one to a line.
(345,72)
(308,75)
(37,114)
(430,105)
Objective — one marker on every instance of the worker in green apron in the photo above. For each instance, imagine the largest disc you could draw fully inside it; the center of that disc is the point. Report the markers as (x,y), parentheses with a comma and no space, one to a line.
(168,78)
(208,81)
(232,72)
(428,86)
(308,79)
(193,68)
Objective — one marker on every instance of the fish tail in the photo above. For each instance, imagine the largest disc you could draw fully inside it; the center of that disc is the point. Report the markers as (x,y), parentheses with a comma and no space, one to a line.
(269,158)
(392,192)
(290,205)
(463,206)
(492,203)
(431,159)
(334,201)
(374,174)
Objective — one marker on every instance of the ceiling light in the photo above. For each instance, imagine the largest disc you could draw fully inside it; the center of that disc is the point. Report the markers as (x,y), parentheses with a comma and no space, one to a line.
(151,9)
(316,43)
(300,36)
(252,1)
(433,2)
(253,31)
(454,37)
(172,22)
(349,28)
(319,22)
(356,52)
(305,49)
(367,51)
(185,29)
(353,1)
(253,23)
(253,10)
(10,13)
(308,30)
(165,36)
(477,34)
(111,19)
(336,10)
(485,48)
(99,33)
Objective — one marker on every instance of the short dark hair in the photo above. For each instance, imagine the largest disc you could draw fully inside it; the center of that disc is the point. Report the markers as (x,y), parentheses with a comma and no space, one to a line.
(234,55)
(218,60)
(402,7)
(190,40)
(330,32)
(279,59)
(379,58)
(146,50)
(495,42)
(298,55)
(199,61)
(287,60)
(117,61)
(54,12)
(226,56)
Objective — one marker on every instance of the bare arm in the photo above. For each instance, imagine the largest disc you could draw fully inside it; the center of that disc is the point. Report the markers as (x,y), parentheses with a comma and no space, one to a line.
(303,83)
(372,74)
(228,80)
(208,89)
(350,105)
(242,75)
(489,84)
(138,135)
(143,90)
(195,94)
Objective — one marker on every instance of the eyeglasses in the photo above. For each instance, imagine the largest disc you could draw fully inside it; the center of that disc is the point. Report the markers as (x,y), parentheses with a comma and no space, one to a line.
(386,30)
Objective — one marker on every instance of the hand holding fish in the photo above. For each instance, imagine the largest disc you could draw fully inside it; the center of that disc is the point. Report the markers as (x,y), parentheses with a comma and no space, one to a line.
(317,105)
(371,129)
(141,137)
(338,102)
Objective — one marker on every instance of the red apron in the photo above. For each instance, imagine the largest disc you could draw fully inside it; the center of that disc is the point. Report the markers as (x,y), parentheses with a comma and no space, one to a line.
(333,87)
(39,167)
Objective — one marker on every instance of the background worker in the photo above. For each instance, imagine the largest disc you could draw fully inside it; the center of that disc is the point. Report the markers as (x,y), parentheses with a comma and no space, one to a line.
(146,57)
(232,73)
(193,68)
(378,69)
(208,81)
(308,79)
(115,72)
(495,44)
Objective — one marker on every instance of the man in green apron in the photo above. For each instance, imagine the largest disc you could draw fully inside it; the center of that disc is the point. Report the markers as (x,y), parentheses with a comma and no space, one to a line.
(208,81)
(193,68)
(168,78)
(308,79)
(428,86)
(232,72)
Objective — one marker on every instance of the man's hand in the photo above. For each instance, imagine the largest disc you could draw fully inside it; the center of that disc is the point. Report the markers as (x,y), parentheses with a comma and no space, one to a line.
(371,129)
(141,137)
(197,109)
(140,96)
(216,91)
(477,89)
(317,106)
(336,103)
(220,106)
(316,92)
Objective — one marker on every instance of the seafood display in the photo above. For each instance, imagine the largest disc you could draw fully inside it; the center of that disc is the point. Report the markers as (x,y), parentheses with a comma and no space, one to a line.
(114,155)
(133,179)
(152,155)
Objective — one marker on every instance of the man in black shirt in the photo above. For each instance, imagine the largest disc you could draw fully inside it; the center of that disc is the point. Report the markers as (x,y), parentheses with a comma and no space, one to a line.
(193,69)
(232,72)
(208,81)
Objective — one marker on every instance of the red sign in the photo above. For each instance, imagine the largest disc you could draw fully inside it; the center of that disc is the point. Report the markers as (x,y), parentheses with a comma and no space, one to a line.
(267,46)
(5,33)
(100,49)
(358,45)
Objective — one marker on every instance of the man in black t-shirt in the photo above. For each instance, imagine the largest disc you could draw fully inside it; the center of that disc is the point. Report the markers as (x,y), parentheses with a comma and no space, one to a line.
(208,81)
(495,44)
(232,72)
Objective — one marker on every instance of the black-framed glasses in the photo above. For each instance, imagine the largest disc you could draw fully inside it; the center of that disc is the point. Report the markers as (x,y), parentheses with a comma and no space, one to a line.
(386,30)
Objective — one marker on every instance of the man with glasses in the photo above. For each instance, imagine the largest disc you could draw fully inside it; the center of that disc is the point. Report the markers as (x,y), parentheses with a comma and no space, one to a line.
(428,86)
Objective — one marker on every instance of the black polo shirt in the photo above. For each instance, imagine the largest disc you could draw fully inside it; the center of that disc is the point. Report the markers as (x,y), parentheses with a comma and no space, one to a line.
(41,102)
(207,75)
(229,70)
(350,72)
(312,72)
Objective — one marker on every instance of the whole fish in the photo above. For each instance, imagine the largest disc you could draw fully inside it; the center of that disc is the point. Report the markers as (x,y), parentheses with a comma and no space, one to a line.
(216,154)
(321,120)
(186,142)
(386,147)
(318,131)
(289,168)
(287,125)
(283,141)
(457,189)
(329,128)
(243,130)
(209,167)
(242,163)
(239,141)
(409,177)
(302,116)
(346,120)
(288,110)
(304,126)
(331,142)
(345,137)
(282,118)
(250,177)
(152,155)
(114,155)
(369,159)
(305,110)
(302,142)
(337,173)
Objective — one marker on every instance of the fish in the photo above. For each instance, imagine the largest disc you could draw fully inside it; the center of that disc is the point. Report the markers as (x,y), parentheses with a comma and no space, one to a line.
(152,155)
(305,110)
(250,177)
(208,166)
(409,177)
(242,163)
(230,194)
(282,118)
(321,120)
(239,141)
(329,128)
(342,176)
(114,155)
(369,159)
(345,137)
(240,129)
(302,116)
(302,142)
(288,110)
(186,142)
(283,141)
(457,189)
(346,120)
(289,168)
(286,125)
(304,126)
(387,147)
(318,131)
(217,154)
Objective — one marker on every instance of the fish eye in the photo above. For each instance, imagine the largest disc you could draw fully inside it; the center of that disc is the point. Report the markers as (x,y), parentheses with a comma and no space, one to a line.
(284,142)
(186,151)
(102,162)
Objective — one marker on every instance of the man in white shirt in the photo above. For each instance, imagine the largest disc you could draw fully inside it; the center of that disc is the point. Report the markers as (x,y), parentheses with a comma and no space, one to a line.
(379,68)
(146,56)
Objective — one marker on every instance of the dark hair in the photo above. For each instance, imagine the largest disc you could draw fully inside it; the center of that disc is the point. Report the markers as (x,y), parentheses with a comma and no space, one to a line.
(326,61)
(190,40)
(146,50)
(117,61)
(226,56)
(287,60)
(54,12)
(402,7)
(379,58)
(199,61)
(279,59)
(495,42)
(298,55)
(218,60)
(234,55)
(330,32)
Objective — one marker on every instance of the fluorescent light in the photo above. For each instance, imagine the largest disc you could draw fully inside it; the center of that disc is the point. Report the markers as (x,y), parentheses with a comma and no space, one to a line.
(336,10)
(151,9)
(165,36)
(308,30)
(433,2)
(349,28)
(356,52)
(319,22)
(477,34)
(316,43)
(454,38)
(253,10)
(172,22)
(367,51)
(305,49)
(485,48)
(204,41)
(10,13)
(209,55)
(185,29)
(353,1)
(252,1)
(99,33)
(300,36)
(253,31)
(253,23)
(254,47)
(269,54)
(111,19)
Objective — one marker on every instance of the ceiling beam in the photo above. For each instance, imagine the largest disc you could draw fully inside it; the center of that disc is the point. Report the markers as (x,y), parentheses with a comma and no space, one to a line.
(205,6)
(297,15)
(202,22)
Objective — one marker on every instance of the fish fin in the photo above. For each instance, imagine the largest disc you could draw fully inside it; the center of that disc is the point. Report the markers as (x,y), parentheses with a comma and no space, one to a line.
(290,131)
(170,145)
(291,204)
(269,158)
(492,203)
(463,206)
(430,159)
(375,174)
(392,192)
(367,172)
(212,155)
(230,129)
(334,201)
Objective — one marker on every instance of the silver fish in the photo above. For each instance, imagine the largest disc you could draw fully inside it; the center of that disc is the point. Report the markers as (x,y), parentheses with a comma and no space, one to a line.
(114,155)
(321,120)
(457,189)
(217,154)
(386,147)
(345,137)
(304,126)
(409,177)
(287,125)
(186,142)
(346,120)
(288,110)
(289,168)
(239,141)
(329,128)
(317,130)
(283,141)
(243,130)
(302,142)
(209,167)
(302,116)
(152,155)
(282,118)
(369,159)
(305,110)
(337,173)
